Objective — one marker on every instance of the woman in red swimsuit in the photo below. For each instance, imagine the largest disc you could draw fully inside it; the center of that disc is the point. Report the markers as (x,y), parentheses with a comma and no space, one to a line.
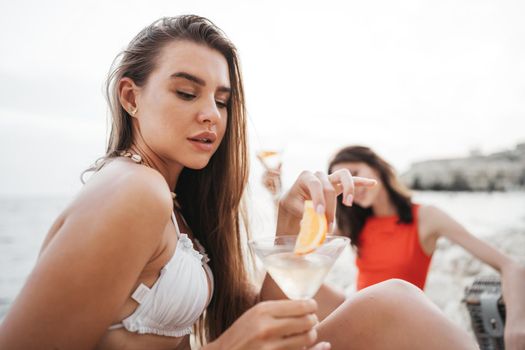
(395,238)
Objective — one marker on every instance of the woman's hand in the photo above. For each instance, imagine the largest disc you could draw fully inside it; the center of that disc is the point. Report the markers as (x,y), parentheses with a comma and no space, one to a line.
(279,324)
(272,181)
(323,190)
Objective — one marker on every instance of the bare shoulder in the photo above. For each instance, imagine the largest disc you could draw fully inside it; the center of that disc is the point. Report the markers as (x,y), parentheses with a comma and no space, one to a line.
(131,183)
(123,199)
(435,221)
(95,254)
(425,211)
(428,222)
(129,187)
(431,214)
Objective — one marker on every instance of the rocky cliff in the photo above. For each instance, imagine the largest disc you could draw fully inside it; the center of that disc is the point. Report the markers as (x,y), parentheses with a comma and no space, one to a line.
(494,172)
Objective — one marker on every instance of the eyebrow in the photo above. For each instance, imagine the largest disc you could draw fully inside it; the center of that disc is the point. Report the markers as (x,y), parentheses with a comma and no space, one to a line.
(198,81)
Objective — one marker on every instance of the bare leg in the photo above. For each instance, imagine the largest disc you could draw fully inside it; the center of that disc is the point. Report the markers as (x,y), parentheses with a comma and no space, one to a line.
(391,315)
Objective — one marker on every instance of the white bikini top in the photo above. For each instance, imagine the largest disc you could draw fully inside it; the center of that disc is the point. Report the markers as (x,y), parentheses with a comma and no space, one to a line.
(179,296)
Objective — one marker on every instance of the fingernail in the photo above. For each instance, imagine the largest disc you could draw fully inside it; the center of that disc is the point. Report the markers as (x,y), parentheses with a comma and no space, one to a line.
(331,227)
(320,209)
(316,320)
(326,346)
(349,200)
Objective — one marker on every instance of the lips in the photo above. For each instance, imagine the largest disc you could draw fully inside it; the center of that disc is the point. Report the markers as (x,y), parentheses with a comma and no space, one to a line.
(204,137)
(203,141)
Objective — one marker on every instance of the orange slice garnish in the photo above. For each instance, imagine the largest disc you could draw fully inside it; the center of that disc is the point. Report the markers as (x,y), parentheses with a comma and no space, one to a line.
(313,230)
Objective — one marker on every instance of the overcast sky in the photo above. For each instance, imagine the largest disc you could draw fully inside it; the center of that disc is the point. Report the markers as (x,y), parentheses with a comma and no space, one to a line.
(412,79)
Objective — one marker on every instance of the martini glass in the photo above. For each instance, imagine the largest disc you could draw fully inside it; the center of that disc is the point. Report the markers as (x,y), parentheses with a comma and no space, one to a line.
(271,161)
(298,276)
(270,158)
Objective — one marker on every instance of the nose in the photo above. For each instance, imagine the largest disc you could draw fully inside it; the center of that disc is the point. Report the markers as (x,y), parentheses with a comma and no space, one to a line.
(209,113)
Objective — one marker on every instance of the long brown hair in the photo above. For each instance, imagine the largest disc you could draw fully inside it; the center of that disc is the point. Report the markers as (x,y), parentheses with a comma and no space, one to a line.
(351,220)
(211,197)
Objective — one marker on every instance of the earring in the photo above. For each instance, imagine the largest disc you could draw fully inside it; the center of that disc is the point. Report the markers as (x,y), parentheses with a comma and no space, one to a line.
(132,112)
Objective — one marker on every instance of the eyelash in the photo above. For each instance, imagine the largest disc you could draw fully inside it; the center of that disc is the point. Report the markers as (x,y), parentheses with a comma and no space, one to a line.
(185,95)
(188,97)
(221,104)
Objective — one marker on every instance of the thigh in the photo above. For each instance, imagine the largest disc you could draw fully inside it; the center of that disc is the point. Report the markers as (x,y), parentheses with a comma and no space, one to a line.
(391,315)
(328,300)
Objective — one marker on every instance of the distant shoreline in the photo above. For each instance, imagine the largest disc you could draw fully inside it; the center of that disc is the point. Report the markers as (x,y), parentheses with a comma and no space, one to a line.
(497,172)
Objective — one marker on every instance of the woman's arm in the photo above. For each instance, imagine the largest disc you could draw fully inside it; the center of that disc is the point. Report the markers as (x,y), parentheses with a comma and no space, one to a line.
(88,269)
(323,190)
(434,223)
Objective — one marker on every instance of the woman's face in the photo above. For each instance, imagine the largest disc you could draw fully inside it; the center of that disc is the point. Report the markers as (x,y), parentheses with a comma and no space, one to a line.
(365,197)
(182,108)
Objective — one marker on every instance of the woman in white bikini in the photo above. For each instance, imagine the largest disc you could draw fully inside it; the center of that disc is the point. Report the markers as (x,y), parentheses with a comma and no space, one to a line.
(129,265)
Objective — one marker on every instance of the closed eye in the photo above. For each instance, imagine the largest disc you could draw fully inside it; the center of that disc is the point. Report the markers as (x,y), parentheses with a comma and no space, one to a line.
(185,96)
(221,104)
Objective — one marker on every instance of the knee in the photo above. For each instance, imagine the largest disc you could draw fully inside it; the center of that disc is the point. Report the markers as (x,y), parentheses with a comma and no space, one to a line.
(379,306)
(391,297)
(393,288)
(398,287)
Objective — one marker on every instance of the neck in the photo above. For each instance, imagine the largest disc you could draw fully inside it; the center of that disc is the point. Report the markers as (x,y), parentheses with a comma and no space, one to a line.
(383,206)
(170,171)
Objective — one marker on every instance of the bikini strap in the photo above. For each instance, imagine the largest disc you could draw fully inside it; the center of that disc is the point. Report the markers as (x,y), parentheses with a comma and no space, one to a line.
(174,219)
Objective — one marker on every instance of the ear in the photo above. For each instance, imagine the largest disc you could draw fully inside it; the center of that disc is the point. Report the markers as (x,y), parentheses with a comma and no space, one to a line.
(127,93)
